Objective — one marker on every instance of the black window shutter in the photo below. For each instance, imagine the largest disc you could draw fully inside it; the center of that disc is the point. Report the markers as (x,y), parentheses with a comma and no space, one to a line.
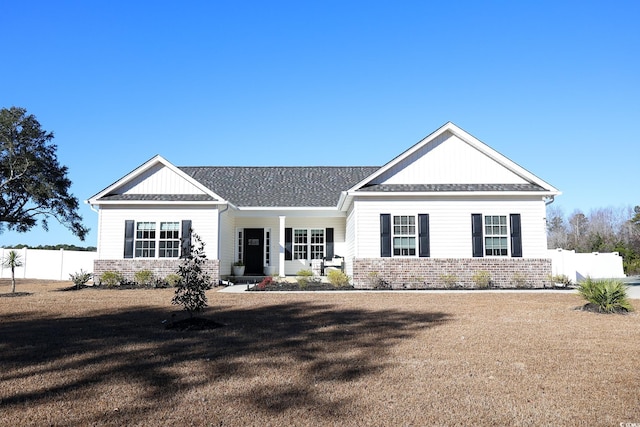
(476,235)
(129,231)
(185,240)
(329,243)
(516,236)
(288,243)
(423,235)
(385,235)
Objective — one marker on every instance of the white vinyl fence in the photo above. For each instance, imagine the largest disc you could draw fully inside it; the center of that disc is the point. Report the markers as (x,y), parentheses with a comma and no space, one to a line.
(578,266)
(48,264)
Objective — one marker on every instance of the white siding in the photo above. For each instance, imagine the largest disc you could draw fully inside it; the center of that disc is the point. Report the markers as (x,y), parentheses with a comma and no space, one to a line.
(450,223)
(449,160)
(339,245)
(350,237)
(112,220)
(230,224)
(226,242)
(159,179)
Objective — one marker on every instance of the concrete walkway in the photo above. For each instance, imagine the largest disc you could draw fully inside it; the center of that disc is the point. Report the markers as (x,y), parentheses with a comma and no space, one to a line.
(633,291)
(236,288)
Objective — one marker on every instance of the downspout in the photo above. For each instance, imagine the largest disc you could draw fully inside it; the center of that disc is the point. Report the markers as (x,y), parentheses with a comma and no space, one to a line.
(219,229)
(548,200)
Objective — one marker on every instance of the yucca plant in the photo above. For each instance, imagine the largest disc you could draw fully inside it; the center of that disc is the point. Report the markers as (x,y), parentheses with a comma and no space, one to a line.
(12,260)
(607,295)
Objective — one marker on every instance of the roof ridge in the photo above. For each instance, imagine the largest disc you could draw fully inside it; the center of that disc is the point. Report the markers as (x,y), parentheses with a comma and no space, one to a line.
(282,167)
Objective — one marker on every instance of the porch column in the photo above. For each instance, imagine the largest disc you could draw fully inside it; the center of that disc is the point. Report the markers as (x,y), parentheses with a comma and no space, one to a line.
(281,247)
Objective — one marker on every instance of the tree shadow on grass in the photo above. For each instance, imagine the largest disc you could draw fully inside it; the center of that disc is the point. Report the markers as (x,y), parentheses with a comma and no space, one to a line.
(14,294)
(318,343)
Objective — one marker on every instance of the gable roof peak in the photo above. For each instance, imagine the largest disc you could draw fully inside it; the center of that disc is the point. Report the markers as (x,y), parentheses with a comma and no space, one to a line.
(467,138)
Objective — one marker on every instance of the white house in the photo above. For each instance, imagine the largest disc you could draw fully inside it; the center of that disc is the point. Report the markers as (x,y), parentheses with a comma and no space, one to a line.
(443,210)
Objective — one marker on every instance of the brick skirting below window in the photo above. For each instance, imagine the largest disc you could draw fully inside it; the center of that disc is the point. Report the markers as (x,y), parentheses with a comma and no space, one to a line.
(161,268)
(451,273)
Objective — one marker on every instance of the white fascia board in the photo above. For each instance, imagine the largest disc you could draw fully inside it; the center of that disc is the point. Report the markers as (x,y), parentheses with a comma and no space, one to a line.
(455,193)
(93,200)
(286,208)
(343,200)
(157,202)
(131,175)
(402,156)
(469,139)
(253,211)
(500,158)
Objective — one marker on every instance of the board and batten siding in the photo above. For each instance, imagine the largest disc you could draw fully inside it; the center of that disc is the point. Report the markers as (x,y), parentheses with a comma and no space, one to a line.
(159,179)
(448,160)
(204,222)
(450,223)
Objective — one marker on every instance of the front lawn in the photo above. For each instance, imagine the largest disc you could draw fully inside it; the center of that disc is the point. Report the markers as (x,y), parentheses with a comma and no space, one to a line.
(381,358)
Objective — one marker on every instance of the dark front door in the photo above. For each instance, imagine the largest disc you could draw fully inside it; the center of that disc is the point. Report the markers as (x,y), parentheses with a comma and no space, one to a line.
(253,251)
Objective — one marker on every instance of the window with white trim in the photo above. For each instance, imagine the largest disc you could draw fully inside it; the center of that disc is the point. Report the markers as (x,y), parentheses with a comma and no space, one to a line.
(169,243)
(404,235)
(496,235)
(309,243)
(156,240)
(317,243)
(145,242)
(300,244)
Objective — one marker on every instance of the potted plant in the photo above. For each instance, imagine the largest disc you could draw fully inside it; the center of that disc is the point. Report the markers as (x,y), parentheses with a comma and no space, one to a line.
(238,268)
(269,270)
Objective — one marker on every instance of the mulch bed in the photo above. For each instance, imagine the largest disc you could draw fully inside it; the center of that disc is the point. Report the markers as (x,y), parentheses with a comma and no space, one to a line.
(288,286)
(594,308)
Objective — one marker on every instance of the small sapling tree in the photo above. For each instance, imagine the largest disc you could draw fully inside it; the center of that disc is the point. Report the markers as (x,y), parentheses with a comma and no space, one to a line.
(194,281)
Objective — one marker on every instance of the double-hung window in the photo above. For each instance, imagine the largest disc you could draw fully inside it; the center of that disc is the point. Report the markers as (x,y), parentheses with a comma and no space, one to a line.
(151,239)
(317,243)
(404,235)
(496,235)
(145,240)
(308,243)
(300,244)
(169,244)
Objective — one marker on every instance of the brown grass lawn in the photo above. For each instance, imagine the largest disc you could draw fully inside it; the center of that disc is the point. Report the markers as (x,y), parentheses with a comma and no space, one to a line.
(104,357)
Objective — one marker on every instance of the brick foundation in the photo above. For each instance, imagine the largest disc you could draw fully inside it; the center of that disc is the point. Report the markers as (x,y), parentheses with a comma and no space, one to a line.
(161,268)
(450,273)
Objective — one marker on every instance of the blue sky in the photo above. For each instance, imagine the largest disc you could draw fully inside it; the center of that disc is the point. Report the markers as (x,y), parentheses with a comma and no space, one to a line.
(553,85)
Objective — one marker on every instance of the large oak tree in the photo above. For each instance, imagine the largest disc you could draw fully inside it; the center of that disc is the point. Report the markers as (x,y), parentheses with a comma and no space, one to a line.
(33,185)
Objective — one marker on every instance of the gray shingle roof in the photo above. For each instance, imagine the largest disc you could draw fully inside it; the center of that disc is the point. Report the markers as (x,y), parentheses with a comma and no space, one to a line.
(450,187)
(313,186)
(159,197)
